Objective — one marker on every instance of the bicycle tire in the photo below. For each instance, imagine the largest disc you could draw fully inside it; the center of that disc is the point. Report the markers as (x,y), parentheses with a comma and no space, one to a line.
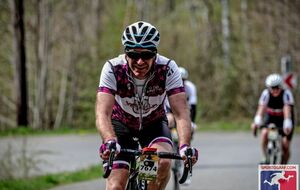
(175,180)
(136,184)
(176,168)
(273,154)
(132,185)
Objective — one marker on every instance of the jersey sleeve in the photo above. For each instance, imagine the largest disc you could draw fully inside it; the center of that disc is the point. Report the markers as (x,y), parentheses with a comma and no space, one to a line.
(193,93)
(264,98)
(174,82)
(288,97)
(107,81)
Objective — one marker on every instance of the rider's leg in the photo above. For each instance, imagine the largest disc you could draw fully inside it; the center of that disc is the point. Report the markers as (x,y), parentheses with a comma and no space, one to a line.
(117,179)
(264,141)
(164,166)
(285,150)
(120,173)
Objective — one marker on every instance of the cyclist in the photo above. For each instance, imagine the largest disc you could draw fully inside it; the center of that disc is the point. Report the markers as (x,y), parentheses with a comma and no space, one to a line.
(191,95)
(277,104)
(130,104)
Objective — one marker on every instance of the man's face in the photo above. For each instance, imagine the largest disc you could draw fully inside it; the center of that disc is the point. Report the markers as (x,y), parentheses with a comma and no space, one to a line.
(140,61)
(275,91)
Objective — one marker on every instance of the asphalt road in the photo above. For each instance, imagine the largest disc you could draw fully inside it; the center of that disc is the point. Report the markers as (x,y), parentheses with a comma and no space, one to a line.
(226,161)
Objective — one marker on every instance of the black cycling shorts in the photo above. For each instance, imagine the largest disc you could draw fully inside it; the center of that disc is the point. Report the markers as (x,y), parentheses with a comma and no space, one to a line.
(278,121)
(128,139)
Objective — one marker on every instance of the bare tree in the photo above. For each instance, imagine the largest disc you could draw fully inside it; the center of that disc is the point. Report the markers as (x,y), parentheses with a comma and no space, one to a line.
(249,104)
(225,30)
(143,11)
(42,53)
(171,5)
(72,55)
(19,60)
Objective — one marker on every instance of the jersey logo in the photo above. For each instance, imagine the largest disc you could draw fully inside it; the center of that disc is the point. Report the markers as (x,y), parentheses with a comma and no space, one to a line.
(170,72)
(144,105)
(278,177)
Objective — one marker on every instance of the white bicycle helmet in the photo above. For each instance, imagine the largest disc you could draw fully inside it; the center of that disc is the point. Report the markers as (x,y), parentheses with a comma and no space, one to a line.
(140,35)
(273,80)
(184,73)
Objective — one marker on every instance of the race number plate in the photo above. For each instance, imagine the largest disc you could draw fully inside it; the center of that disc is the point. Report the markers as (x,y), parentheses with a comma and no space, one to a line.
(148,167)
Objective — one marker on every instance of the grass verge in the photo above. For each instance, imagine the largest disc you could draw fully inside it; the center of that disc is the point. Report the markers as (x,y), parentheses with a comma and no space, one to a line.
(51,180)
(229,126)
(23,131)
(225,125)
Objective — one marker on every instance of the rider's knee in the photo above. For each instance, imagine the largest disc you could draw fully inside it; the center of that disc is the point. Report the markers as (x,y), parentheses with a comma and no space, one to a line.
(264,134)
(285,147)
(164,167)
(115,185)
(116,182)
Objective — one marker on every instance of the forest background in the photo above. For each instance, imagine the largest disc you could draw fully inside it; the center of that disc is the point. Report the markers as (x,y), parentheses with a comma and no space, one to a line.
(228,47)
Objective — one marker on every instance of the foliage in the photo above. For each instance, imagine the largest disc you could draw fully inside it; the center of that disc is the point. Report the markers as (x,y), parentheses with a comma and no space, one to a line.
(79,37)
(60,131)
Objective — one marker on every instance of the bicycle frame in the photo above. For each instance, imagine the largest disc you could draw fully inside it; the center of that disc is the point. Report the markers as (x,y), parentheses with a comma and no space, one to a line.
(134,182)
(176,164)
(274,147)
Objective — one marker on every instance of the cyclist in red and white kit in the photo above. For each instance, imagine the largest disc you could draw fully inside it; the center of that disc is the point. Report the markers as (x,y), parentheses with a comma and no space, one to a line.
(191,95)
(277,104)
(130,104)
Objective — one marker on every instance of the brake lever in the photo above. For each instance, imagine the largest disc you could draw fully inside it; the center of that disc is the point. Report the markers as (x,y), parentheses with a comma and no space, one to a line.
(188,169)
(112,147)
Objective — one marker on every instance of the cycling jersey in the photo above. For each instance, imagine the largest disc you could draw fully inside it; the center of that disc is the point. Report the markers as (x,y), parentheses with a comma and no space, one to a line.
(275,104)
(191,92)
(275,108)
(139,103)
(191,95)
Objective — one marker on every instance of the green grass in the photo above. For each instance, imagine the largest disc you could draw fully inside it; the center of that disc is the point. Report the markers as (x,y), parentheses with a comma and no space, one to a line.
(229,126)
(225,125)
(52,180)
(22,131)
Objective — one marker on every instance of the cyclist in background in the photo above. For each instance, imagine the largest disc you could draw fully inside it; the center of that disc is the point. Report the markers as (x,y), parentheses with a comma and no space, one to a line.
(277,104)
(191,95)
(130,104)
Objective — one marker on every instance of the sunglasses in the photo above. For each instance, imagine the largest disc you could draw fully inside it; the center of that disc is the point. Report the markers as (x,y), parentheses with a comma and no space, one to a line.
(275,87)
(144,55)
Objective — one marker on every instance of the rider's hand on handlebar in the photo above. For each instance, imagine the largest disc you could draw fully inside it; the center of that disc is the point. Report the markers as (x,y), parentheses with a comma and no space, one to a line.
(106,148)
(254,128)
(287,126)
(183,153)
(257,123)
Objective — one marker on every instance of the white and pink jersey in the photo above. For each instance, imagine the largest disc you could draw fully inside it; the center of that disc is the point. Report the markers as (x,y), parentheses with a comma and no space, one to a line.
(139,103)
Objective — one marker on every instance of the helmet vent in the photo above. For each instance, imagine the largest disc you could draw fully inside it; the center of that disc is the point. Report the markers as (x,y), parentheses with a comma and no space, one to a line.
(140,35)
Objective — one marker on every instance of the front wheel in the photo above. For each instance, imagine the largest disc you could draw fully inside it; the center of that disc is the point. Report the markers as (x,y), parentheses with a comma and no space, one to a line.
(176,180)
(143,185)
(273,153)
(132,185)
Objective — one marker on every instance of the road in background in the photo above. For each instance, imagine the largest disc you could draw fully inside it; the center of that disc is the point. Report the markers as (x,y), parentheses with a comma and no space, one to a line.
(226,160)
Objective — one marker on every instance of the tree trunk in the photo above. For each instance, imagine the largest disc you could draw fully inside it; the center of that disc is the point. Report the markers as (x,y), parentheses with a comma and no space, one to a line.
(225,31)
(42,46)
(142,7)
(19,59)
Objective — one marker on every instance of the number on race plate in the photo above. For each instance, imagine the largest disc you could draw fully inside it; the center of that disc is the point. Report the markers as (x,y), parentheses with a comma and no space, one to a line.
(148,168)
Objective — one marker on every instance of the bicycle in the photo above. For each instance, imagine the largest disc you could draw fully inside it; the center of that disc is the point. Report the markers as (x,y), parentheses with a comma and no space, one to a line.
(177,164)
(274,147)
(145,165)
